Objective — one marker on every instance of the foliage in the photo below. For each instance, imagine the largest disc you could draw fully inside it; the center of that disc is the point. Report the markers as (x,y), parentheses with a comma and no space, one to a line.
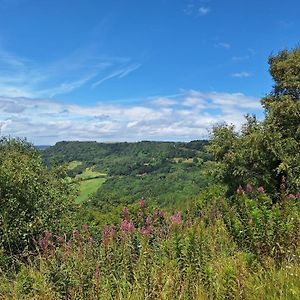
(143,169)
(31,197)
(150,254)
(266,152)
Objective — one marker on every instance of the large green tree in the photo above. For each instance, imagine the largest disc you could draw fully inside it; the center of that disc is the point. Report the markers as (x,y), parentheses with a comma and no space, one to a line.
(266,153)
(32,198)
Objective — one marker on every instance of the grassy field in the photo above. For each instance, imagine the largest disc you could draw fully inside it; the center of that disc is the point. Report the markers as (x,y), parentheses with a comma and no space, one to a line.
(88,187)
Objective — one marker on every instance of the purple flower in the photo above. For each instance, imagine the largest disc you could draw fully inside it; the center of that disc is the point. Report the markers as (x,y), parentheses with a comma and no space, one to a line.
(249,188)
(298,195)
(261,189)
(127,226)
(125,212)
(146,231)
(108,233)
(291,196)
(142,203)
(176,218)
(148,221)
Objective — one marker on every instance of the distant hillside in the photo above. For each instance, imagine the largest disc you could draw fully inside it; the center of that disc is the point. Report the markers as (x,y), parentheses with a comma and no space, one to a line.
(169,173)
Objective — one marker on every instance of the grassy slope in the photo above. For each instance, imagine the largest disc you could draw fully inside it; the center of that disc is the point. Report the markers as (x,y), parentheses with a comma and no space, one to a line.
(88,187)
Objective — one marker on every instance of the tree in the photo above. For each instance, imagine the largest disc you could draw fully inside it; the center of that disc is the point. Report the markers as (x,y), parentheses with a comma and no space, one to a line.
(268,152)
(32,198)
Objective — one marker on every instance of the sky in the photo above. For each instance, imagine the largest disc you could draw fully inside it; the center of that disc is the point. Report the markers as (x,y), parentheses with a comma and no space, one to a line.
(131,70)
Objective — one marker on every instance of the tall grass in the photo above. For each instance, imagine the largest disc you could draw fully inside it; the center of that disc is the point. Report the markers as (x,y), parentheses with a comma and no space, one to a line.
(154,255)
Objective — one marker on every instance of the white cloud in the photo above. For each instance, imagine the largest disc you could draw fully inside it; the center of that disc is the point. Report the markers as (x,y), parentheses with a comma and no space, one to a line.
(202,11)
(223,45)
(241,74)
(184,117)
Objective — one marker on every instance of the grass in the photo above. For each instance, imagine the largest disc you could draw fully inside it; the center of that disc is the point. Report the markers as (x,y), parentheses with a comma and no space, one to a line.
(73,164)
(88,187)
(89,173)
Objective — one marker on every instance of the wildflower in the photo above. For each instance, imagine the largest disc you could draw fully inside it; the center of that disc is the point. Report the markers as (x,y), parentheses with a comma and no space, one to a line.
(148,221)
(142,203)
(97,272)
(240,190)
(176,218)
(76,235)
(298,195)
(155,213)
(146,231)
(249,188)
(125,212)
(291,196)
(127,226)
(261,189)
(108,233)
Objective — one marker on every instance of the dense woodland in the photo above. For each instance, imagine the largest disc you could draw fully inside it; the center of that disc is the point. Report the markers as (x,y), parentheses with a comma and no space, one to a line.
(135,170)
(236,237)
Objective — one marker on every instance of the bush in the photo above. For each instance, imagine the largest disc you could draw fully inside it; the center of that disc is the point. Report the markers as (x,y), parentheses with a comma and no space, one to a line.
(31,197)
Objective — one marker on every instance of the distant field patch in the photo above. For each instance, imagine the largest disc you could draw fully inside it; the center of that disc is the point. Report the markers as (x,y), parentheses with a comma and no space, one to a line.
(73,164)
(88,187)
(89,173)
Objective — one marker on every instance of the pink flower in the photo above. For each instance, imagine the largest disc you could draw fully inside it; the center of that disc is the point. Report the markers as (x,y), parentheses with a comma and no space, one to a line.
(127,226)
(148,221)
(146,231)
(249,188)
(108,233)
(142,203)
(261,189)
(298,195)
(291,196)
(125,212)
(176,218)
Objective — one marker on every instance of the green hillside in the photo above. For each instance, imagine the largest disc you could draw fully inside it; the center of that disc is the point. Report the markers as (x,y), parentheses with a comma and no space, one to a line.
(143,169)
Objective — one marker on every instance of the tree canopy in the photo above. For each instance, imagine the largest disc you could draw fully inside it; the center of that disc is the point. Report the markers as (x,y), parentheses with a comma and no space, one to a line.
(266,153)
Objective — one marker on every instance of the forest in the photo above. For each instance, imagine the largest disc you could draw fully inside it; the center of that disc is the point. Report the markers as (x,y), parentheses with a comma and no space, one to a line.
(216,219)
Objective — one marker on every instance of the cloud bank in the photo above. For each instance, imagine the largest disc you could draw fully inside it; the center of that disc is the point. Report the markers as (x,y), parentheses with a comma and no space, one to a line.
(186,116)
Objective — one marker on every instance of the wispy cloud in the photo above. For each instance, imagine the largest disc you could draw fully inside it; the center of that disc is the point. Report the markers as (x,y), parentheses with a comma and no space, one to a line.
(203,11)
(196,9)
(241,74)
(117,74)
(223,45)
(186,116)
(21,77)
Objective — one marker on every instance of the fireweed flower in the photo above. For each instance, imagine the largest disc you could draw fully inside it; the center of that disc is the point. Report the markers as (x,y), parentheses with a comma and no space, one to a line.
(142,203)
(125,212)
(108,233)
(298,195)
(261,189)
(291,196)
(146,231)
(127,226)
(249,188)
(148,221)
(176,218)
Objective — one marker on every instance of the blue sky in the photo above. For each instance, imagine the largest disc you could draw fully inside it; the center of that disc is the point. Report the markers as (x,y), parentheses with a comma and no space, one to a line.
(136,69)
